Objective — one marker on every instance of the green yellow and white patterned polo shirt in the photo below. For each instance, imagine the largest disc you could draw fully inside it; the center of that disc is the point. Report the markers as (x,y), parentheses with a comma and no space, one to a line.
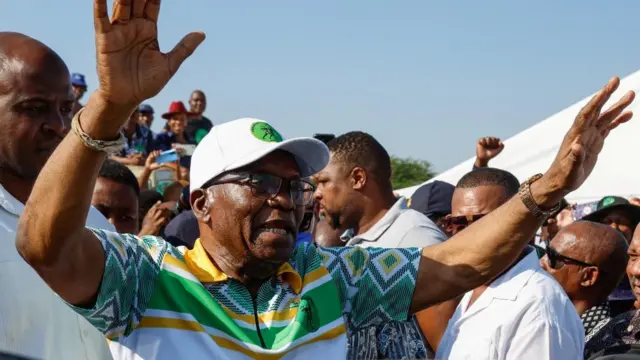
(161,302)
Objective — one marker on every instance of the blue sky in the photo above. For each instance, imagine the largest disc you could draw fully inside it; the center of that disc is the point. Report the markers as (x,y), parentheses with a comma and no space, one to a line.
(425,78)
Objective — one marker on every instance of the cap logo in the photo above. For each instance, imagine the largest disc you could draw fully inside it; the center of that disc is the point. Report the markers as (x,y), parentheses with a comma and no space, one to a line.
(608,201)
(265,132)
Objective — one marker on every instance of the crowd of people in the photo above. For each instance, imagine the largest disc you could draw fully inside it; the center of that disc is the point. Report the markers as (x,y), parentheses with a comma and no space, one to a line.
(251,245)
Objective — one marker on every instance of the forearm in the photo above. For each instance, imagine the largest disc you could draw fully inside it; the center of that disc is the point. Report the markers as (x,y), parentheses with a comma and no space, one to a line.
(479,253)
(143,179)
(59,203)
(52,237)
(480,163)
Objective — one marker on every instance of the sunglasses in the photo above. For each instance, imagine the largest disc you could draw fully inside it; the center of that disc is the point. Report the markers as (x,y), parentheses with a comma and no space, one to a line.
(554,257)
(455,224)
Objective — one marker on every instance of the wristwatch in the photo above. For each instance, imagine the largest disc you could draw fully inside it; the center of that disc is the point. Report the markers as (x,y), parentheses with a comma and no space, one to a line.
(527,199)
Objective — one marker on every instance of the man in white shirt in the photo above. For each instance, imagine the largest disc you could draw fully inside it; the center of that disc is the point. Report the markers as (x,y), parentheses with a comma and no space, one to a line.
(355,193)
(36,103)
(522,314)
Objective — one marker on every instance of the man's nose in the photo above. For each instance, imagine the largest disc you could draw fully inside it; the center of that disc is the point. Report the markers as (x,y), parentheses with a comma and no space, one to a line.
(633,270)
(283,197)
(58,124)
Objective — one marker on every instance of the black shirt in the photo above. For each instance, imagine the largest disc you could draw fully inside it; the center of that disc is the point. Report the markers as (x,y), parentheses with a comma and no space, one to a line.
(197,129)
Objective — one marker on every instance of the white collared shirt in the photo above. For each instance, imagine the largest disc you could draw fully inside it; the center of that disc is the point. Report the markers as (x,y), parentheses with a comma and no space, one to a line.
(34,321)
(400,227)
(524,314)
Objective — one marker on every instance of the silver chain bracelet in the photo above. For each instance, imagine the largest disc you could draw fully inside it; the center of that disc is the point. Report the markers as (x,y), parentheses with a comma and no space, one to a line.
(108,146)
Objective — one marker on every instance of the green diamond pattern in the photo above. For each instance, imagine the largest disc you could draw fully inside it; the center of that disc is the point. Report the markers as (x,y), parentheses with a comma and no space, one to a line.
(389,262)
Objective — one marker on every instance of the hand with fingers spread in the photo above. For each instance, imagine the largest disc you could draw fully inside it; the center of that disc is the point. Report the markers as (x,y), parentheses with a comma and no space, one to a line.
(130,65)
(487,148)
(583,142)
(130,68)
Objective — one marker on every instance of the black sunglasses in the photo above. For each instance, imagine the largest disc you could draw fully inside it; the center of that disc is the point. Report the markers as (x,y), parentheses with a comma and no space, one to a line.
(554,257)
(268,186)
(455,224)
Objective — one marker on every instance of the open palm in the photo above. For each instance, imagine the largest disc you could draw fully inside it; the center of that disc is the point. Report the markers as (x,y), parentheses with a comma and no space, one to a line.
(131,67)
(581,146)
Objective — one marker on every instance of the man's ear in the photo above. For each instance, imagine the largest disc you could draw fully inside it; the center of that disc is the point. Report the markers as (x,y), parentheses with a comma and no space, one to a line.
(589,276)
(201,204)
(358,178)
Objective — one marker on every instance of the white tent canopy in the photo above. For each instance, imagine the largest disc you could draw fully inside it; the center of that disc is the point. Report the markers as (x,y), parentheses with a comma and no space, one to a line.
(533,150)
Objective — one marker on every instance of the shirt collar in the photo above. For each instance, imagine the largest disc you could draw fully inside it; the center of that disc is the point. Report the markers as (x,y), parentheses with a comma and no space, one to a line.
(10,203)
(206,271)
(509,284)
(383,224)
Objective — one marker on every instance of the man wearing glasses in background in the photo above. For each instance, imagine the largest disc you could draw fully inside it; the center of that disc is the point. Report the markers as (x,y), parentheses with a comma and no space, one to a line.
(523,313)
(588,260)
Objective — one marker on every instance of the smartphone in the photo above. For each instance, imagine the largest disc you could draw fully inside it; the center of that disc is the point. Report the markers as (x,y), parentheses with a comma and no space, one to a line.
(167,157)
(325,138)
(186,148)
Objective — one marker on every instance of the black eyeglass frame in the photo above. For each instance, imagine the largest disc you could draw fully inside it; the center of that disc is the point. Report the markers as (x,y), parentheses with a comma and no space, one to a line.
(553,255)
(248,178)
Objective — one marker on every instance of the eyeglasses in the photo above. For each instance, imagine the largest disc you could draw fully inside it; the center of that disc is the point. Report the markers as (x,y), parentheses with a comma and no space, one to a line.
(455,224)
(268,186)
(555,257)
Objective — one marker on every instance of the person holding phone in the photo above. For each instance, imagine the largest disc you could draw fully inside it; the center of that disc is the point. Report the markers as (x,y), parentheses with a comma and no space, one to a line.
(176,135)
(139,142)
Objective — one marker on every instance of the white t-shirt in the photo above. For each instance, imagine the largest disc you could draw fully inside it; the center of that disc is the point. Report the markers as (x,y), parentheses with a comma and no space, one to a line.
(523,315)
(34,321)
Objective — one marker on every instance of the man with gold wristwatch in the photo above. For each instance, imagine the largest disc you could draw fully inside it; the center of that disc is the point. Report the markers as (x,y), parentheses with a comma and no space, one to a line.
(80,264)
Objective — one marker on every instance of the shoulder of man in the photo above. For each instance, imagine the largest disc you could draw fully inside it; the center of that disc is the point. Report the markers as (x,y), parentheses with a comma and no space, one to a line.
(420,230)
(207,121)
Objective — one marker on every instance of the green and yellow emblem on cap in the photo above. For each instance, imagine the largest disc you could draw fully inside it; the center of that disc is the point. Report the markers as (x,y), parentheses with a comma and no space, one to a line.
(265,132)
(608,201)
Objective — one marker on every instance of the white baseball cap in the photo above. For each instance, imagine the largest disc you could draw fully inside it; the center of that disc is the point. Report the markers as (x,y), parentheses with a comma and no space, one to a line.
(240,142)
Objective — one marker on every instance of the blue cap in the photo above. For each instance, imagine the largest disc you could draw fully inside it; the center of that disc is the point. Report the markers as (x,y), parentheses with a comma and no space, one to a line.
(145,108)
(433,198)
(78,80)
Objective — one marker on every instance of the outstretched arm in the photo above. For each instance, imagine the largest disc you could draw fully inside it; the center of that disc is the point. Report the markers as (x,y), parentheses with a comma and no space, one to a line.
(51,235)
(483,250)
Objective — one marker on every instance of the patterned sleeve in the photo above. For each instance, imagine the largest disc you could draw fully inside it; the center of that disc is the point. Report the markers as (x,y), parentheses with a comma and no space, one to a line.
(131,267)
(375,285)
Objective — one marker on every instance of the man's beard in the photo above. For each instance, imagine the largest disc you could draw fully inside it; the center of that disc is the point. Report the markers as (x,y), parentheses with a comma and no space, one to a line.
(335,221)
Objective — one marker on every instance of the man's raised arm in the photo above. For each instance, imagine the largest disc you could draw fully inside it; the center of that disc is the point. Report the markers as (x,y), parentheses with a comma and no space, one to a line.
(482,251)
(51,235)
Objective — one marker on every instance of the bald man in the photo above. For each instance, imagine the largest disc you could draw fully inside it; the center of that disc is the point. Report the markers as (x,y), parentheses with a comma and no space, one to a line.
(36,102)
(623,329)
(588,259)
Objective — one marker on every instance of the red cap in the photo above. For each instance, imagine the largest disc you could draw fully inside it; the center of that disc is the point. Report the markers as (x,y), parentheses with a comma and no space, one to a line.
(176,107)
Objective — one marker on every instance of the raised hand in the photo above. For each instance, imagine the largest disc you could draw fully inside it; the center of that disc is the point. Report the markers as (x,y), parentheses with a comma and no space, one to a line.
(486,149)
(157,218)
(580,148)
(131,67)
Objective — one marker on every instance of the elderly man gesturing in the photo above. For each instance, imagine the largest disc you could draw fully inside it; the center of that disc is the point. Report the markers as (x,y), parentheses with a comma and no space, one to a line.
(244,290)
